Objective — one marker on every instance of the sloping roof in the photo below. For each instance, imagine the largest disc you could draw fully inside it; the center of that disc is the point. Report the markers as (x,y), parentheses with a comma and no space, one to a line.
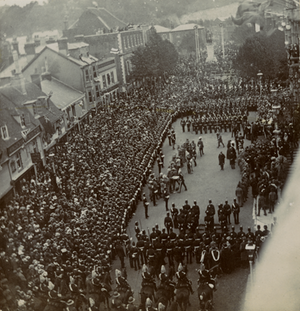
(8,110)
(7,72)
(33,92)
(63,95)
(109,20)
(186,27)
(78,62)
(160,29)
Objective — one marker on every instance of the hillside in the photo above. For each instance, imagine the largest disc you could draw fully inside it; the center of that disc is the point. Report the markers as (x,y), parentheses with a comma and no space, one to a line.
(23,21)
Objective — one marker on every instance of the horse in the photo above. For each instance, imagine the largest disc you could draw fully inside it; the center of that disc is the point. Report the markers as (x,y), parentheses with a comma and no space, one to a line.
(173,306)
(205,295)
(163,296)
(182,297)
(98,293)
(124,294)
(147,291)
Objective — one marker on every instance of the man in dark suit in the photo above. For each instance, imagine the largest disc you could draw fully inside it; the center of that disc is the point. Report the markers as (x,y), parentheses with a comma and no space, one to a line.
(236,211)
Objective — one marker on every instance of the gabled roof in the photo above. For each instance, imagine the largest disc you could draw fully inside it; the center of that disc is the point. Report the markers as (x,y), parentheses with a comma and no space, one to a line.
(52,47)
(186,27)
(109,20)
(160,29)
(63,95)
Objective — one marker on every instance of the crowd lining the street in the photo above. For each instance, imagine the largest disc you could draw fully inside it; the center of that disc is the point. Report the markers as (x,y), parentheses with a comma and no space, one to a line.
(64,228)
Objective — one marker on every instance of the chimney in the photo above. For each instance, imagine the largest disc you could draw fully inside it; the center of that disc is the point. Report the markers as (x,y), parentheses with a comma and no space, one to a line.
(18,81)
(16,62)
(79,38)
(66,23)
(50,40)
(63,45)
(15,45)
(46,76)
(35,78)
(37,42)
(29,50)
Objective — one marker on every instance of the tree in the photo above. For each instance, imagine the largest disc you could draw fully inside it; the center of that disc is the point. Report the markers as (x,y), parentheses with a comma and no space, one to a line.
(256,55)
(157,58)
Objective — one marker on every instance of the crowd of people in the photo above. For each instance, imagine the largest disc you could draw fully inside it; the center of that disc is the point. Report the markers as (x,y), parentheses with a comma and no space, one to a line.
(60,234)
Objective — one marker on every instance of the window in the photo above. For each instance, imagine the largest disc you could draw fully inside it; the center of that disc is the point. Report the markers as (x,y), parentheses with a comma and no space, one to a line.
(23,124)
(136,40)
(94,72)
(97,91)
(128,41)
(112,78)
(73,111)
(90,96)
(87,75)
(128,66)
(124,43)
(34,147)
(108,79)
(4,132)
(19,160)
(13,166)
(104,81)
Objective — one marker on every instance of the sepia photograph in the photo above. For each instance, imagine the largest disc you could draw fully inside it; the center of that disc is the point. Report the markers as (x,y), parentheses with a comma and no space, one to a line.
(149,155)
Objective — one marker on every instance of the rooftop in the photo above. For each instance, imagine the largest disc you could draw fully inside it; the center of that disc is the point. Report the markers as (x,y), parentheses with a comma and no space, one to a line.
(187,27)
(63,95)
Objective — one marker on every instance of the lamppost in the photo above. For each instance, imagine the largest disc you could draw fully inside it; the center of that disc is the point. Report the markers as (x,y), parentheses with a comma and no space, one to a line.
(259,75)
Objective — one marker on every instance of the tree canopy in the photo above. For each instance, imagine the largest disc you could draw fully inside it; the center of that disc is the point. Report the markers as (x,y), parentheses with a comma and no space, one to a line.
(262,53)
(157,58)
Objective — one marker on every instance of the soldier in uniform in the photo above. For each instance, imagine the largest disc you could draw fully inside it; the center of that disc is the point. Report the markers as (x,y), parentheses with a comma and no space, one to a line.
(174,214)
(182,123)
(169,251)
(135,256)
(140,244)
(211,210)
(168,222)
(227,211)
(188,124)
(182,279)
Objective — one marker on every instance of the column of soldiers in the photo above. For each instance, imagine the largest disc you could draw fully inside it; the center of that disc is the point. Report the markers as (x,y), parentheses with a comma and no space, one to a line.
(209,244)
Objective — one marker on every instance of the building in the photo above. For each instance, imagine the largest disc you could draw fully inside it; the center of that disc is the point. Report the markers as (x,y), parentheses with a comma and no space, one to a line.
(108,36)
(74,66)
(182,31)
(66,99)
(164,32)
(94,21)
(21,136)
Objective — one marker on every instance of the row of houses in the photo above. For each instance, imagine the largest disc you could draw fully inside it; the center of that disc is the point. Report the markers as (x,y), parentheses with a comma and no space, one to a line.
(54,86)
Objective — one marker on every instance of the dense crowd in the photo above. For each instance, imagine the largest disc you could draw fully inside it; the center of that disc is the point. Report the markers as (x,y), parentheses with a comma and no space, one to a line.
(63,229)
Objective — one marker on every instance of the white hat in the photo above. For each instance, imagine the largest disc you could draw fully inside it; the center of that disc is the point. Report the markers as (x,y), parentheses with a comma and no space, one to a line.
(163,269)
(148,302)
(180,267)
(118,273)
(145,268)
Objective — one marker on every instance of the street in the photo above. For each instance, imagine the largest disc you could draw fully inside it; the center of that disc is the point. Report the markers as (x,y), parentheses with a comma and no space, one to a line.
(206,182)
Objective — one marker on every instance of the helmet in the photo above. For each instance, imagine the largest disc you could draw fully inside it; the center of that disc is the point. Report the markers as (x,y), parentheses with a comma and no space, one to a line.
(148,302)
(118,273)
(180,267)
(145,268)
(163,269)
